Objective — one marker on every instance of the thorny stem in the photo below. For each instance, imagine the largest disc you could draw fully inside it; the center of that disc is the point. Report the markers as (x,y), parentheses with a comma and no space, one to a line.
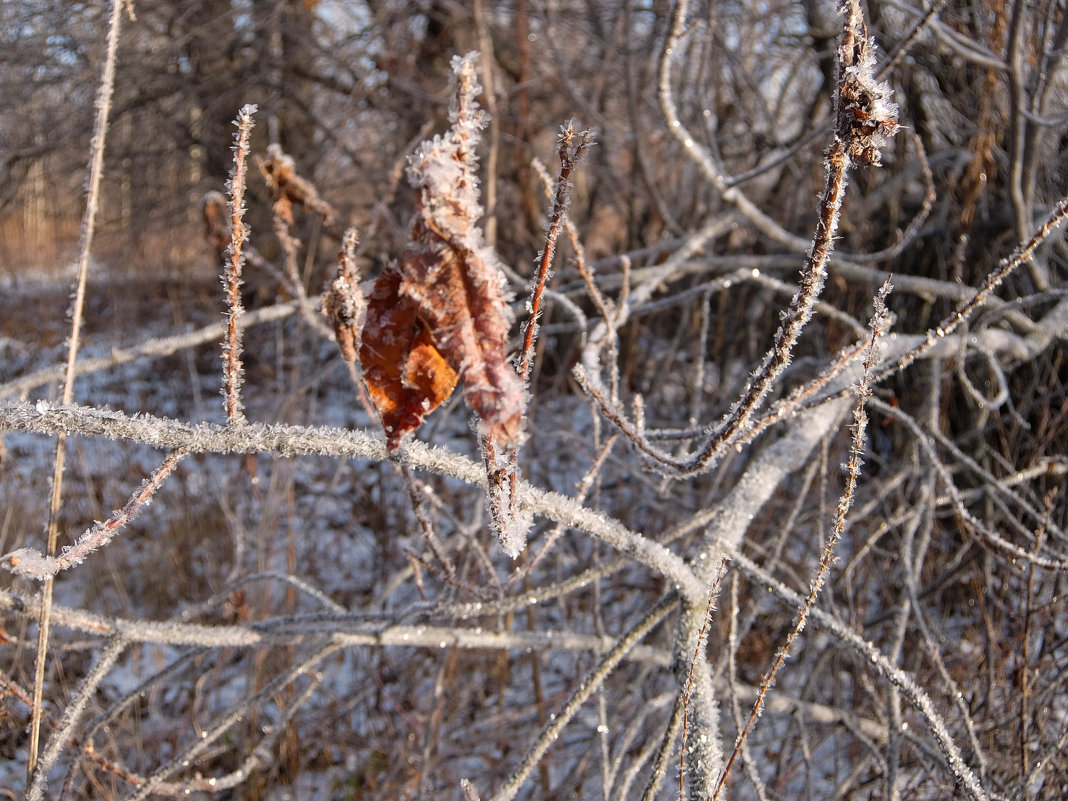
(739,420)
(571,153)
(663,751)
(96,172)
(586,273)
(812,277)
(235,262)
(345,306)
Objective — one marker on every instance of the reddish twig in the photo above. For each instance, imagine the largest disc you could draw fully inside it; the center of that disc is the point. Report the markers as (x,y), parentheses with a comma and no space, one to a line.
(571,153)
(235,261)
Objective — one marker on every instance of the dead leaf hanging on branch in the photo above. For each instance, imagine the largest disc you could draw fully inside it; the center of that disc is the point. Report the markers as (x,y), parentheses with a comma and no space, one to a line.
(289,189)
(405,373)
(440,315)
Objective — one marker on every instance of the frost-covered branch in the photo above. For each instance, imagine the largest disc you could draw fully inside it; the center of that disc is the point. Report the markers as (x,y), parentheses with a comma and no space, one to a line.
(282,440)
(233,267)
(33,564)
(865,119)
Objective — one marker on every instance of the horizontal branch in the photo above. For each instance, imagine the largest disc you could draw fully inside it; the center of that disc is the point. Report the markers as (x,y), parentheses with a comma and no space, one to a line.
(153,348)
(289,441)
(342,630)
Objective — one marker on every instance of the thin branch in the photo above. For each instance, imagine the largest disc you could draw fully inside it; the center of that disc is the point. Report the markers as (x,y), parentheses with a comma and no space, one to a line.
(868,652)
(349,630)
(149,349)
(72,716)
(32,564)
(570,153)
(879,325)
(96,171)
(235,261)
(587,686)
(1021,255)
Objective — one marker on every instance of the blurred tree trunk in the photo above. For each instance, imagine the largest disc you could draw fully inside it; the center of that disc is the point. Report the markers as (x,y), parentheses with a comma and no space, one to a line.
(284,64)
(210,51)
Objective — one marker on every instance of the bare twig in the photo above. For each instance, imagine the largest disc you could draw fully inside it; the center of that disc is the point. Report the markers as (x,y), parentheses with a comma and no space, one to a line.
(232,370)
(860,422)
(96,172)
(43,418)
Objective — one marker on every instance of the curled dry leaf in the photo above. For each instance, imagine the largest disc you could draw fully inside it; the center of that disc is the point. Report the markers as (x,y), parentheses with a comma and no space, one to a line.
(441,314)
(458,294)
(289,189)
(406,375)
(216,221)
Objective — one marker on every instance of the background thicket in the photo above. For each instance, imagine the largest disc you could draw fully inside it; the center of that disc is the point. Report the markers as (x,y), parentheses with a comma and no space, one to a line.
(296,616)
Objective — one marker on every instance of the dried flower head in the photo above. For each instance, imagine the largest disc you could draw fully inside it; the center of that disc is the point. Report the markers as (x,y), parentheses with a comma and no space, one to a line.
(867,115)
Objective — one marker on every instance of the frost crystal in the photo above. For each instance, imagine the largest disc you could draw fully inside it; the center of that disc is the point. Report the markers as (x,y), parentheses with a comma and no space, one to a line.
(31,564)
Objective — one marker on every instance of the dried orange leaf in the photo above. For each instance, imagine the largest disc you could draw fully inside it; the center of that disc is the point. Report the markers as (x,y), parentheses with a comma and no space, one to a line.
(406,376)
(441,315)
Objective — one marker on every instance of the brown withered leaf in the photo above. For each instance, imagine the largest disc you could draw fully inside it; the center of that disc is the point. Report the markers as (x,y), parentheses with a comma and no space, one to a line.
(458,292)
(289,189)
(213,208)
(441,315)
(406,375)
